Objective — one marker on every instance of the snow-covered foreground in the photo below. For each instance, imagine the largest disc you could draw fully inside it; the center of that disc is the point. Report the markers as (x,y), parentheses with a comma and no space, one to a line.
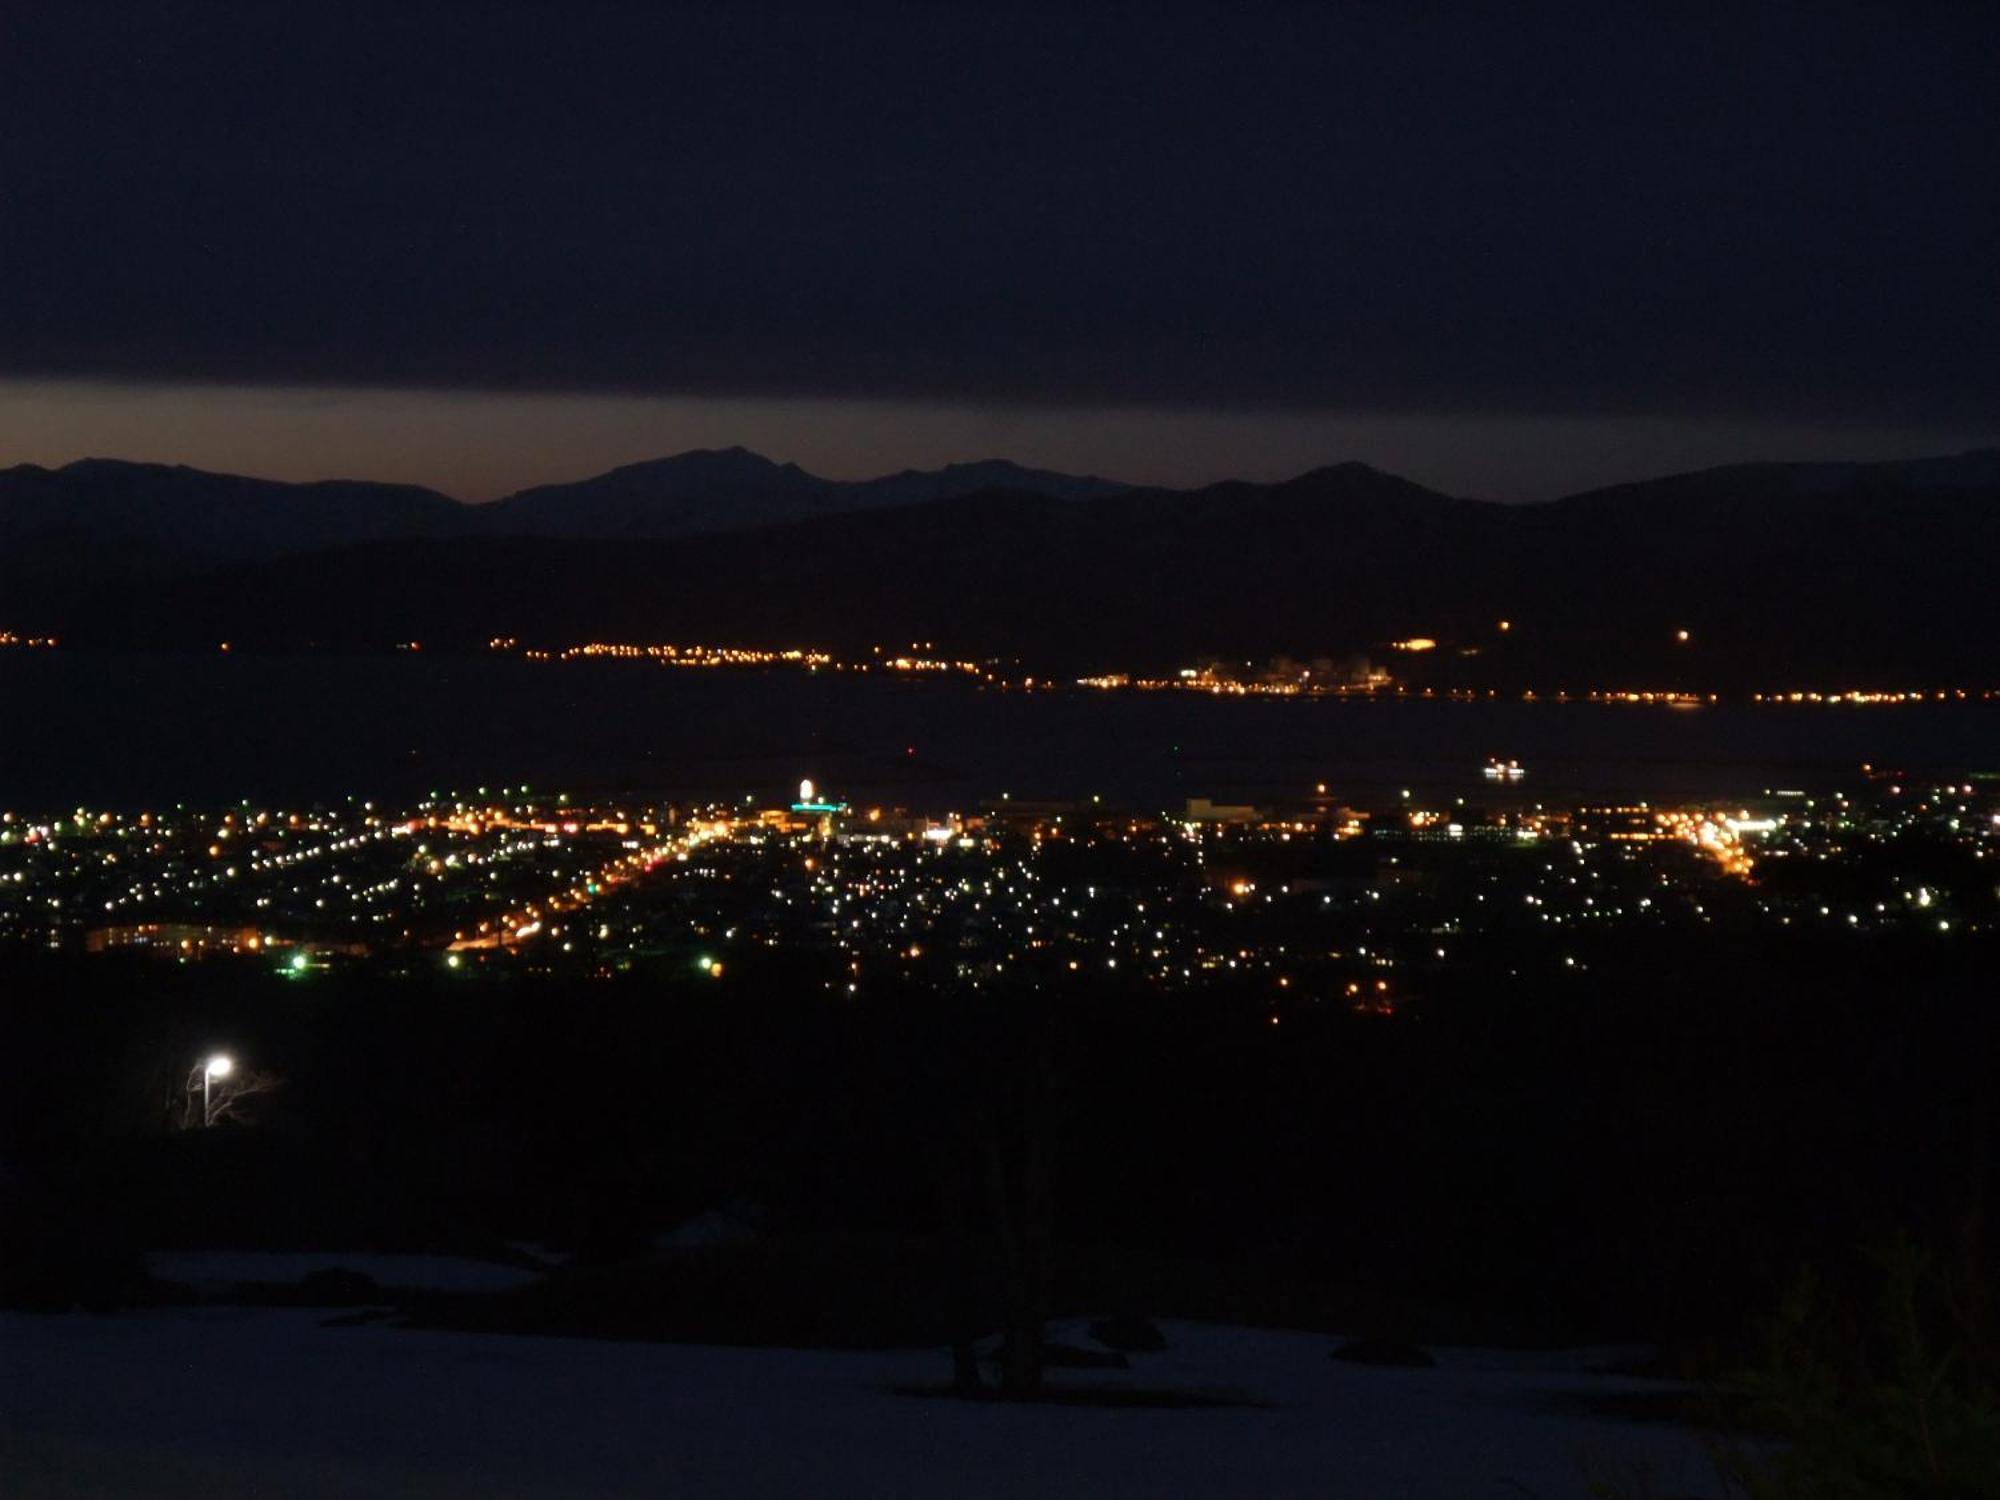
(238,1401)
(208,1270)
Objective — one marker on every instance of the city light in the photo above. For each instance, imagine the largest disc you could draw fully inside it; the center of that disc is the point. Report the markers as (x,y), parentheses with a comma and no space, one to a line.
(541,883)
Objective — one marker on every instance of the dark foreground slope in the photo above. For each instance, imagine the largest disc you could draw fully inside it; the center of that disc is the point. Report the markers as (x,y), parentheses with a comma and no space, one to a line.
(1643,1146)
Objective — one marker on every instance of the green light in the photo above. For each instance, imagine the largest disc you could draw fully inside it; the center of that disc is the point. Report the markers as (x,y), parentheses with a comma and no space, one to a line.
(452,960)
(704,963)
(300,962)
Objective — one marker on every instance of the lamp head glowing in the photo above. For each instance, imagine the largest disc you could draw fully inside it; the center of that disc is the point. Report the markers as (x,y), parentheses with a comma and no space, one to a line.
(219,1066)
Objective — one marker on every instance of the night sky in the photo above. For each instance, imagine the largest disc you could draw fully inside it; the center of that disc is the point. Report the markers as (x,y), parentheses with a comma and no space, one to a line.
(1507,250)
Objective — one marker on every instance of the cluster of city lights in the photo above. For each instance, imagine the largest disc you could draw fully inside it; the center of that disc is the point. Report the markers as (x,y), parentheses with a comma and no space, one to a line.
(1280,678)
(707,656)
(1308,896)
(1876,698)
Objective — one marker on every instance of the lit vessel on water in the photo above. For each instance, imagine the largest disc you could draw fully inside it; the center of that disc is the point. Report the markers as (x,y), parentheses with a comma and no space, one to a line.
(1504,770)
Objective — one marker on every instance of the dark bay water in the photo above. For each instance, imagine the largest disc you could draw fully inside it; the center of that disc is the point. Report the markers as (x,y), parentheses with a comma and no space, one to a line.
(127,730)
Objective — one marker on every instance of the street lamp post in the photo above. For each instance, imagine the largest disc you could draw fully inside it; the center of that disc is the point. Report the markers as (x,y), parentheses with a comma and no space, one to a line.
(217,1066)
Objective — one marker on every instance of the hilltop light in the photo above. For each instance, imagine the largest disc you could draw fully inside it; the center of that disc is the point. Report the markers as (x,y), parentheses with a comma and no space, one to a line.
(220,1065)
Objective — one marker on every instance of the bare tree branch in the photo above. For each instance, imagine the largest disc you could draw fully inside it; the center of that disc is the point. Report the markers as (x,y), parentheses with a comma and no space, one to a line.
(225,1095)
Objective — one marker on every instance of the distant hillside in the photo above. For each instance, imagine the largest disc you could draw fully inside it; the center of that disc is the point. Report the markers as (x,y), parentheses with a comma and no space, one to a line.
(62,530)
(916,486)
(1782,575)
(692,492)
(729,489)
